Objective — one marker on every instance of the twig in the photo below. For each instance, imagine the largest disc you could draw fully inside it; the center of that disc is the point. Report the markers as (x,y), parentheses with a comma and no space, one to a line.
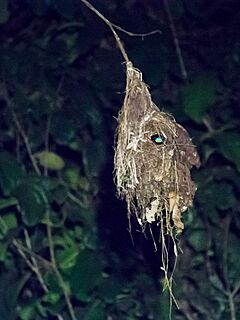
(32,265)
(25,139)
(175,39)
(207,123)
(21,130)
(48,124)
(19,245)
(229,292)
(34,262)
(184,308)
(236,289)
(111,26)
(76,200)
(129,33)
(134,34)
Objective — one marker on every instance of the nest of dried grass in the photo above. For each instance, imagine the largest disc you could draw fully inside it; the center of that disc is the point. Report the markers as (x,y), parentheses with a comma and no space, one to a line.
(153,158)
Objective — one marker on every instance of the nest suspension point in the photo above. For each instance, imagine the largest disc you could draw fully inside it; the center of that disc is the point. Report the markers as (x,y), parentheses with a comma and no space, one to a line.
(153,158)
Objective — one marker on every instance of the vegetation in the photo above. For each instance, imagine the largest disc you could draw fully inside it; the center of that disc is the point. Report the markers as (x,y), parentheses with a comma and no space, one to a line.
(65,249)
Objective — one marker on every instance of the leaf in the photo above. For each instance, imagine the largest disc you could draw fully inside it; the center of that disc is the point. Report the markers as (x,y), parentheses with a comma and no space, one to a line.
(95,312)
(229,144)
(220,195)
(62,129)
(59,194)
(50,160)
(67,258)
(52,297)
(233,259)
(3,249)
(8,222)
(200,95)
(85,275)
(27,312)
(4,13)
(224,196)
(94,158)
(5,203)
(114,287)
(33,202)
(198,240)
(72,176)
(10,288)
(11,172)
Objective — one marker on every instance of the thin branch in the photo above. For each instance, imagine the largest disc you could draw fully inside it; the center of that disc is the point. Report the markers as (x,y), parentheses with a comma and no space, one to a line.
(34,261)
(20,129)
(111,26)
(48,124)
(134,34)
(26,142)
(175,39)
(208,125)
(236,289)
(185,310)
(129,33)
(32,265)
(77,200)
(45,263)
(226,271)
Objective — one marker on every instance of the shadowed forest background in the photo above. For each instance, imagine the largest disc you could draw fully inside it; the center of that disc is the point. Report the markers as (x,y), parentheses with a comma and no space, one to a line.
(65,249)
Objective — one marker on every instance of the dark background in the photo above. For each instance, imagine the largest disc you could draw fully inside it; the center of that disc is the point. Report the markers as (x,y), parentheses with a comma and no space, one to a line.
(65,249)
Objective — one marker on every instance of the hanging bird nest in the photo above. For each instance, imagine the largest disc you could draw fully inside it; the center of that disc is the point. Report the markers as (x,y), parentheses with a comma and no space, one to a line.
(153,158)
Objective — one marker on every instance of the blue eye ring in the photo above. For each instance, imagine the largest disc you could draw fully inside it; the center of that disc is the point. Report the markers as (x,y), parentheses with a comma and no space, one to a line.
(157,139)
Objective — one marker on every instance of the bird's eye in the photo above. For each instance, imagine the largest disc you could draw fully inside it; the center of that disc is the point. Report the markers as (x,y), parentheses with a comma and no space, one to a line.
(157,139)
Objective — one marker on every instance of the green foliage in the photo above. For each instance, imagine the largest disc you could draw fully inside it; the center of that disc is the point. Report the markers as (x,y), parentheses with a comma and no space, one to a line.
(63,238)
(4,13)
(32,200)
(50,160)
(229,145)
(85,274)
(11,173)
(199,96)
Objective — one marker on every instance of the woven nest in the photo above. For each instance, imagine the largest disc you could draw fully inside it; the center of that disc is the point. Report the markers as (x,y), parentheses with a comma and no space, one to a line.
(153,158)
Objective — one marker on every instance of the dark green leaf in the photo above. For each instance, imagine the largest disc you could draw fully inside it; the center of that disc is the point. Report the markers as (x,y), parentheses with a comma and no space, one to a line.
(67,257)
(27,312)
(95,312)
(198,240)
(4,13)
(199,96)
(94,158)
(229,143)
(109,288)
(5,203)
(33,202)
(9,222)
(85,275)
(72,177)
(233,256)
(62,129)
(11,172)
(11,285)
